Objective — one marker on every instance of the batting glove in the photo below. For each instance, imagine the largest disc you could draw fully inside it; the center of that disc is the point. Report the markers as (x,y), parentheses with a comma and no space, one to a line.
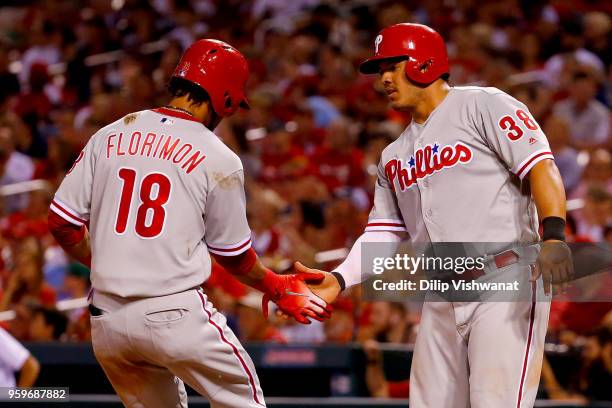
(293,296)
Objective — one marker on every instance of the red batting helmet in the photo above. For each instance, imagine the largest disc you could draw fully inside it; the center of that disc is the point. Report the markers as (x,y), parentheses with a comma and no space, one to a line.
(218,68)
(423,47)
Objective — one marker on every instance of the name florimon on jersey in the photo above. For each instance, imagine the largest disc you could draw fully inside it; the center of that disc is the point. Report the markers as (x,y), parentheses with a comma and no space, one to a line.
(149,144)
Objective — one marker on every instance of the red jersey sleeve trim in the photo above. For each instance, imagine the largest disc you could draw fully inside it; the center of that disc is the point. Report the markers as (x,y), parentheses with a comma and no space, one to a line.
(66,212)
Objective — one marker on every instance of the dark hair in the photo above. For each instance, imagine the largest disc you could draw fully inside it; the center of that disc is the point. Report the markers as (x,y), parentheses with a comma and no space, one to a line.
(179,87)
(55,318)
(602,333)
(313,214)
(398,307)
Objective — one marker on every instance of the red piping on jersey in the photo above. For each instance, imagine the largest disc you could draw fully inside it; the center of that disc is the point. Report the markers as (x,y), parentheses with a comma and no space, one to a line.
(234,348)
(525,360)
(384,224)
(74,217)
(230,249)
(176,114)
(518,173)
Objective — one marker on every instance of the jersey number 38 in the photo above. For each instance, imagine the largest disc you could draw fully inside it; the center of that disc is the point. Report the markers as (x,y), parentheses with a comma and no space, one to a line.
(153,192)
(514,130)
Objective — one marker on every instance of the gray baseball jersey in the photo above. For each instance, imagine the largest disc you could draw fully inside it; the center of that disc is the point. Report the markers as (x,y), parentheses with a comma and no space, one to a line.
(160,191)
(456,177)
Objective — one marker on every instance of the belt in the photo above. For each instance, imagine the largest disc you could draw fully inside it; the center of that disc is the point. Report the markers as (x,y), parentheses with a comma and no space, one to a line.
(500,260)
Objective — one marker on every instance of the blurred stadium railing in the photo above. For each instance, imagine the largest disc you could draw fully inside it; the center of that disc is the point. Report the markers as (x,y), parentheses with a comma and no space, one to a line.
(280,368)
(111,401)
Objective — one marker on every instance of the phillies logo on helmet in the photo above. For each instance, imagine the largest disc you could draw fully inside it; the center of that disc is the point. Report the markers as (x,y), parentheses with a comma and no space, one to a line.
(183,70)
(377,42)
(425,162)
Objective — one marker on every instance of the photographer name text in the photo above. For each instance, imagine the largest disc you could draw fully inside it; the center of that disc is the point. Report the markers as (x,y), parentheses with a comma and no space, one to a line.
(444,286)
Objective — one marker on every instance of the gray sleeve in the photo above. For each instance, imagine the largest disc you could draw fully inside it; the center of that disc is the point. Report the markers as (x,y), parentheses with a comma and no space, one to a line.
(227,230)
(511,132)
(72,199)
(385,214)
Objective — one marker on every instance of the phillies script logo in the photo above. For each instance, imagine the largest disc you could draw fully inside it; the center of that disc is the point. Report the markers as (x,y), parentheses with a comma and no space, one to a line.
(425,162)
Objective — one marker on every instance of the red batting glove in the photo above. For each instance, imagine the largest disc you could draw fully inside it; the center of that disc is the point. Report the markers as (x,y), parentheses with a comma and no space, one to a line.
(293,296)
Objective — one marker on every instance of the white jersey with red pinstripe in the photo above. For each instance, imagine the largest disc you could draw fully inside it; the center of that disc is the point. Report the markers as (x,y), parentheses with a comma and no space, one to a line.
(457,177)
(159,191)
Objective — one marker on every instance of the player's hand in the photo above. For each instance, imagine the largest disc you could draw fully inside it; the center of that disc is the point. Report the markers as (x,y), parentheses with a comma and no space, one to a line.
(327,289)
(295,299)
(555,265)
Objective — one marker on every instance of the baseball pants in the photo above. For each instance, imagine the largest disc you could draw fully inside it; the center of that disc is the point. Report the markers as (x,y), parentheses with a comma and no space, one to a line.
(149,347)
(478,354)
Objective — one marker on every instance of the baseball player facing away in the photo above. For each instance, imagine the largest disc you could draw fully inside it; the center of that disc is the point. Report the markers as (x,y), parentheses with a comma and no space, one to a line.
(459,173)
(147,201)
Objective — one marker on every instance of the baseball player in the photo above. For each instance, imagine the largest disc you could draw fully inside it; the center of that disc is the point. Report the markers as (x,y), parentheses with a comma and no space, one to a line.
(148,200)
(472,166)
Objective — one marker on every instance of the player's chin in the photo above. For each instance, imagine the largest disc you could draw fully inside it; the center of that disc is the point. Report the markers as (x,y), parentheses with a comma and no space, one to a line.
(397,105)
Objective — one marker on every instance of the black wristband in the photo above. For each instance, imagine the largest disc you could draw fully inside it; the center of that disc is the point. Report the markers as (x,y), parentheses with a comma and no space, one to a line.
(554,228)
(340,280)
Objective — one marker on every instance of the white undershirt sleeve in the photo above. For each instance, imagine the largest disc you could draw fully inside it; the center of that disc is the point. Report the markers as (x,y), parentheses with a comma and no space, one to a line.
(12,355)
(351,269)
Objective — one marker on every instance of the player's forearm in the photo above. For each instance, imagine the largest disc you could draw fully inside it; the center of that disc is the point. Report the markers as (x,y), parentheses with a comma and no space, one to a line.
(255,275)
(351,269)
(81,251)
(246,267)
(547,190)
(29,372)
(73,239)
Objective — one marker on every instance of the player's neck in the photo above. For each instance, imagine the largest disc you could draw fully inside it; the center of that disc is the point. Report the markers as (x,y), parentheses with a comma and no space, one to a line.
(202,112)
(184,105)
(431,97)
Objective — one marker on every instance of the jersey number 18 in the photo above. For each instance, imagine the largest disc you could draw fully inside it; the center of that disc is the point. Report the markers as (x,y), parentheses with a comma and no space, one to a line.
(150,202)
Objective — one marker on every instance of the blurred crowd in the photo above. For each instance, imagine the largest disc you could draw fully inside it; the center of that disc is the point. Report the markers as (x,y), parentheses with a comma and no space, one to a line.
(310,143)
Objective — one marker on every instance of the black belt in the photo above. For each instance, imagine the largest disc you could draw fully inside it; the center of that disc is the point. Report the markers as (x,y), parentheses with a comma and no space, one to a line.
(94,311)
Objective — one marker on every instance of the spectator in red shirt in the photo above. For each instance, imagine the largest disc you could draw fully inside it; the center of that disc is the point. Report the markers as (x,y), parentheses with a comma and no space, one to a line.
(338,163)
(281,160)
(30,222)
(35,103)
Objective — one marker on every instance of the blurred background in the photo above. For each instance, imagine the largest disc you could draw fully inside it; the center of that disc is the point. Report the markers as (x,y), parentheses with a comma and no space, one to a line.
(310,146)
